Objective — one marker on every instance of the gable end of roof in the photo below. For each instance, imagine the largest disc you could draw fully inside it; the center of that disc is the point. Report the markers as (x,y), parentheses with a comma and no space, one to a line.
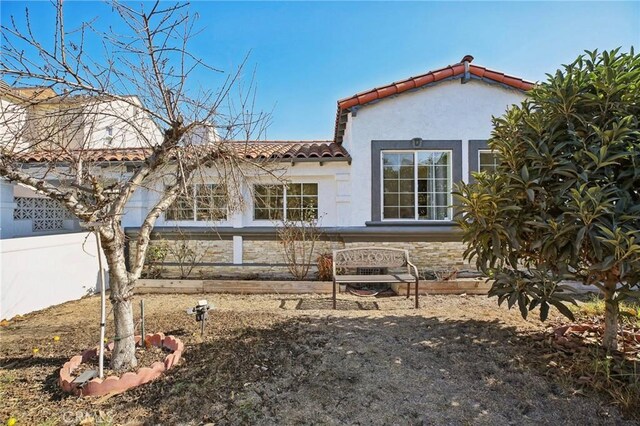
(464,70)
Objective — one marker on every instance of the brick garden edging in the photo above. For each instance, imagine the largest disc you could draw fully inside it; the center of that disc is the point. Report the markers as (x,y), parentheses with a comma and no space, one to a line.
(98,387)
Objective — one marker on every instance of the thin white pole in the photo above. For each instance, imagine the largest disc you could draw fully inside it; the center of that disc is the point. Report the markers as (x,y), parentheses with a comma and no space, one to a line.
(103,310)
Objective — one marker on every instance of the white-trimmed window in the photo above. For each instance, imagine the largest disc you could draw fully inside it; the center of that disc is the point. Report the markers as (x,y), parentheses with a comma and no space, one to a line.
(487,161)
(296,201)
(416,185)
(203,202)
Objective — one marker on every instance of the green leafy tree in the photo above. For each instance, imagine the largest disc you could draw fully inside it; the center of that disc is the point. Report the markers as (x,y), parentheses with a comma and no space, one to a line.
(564,203)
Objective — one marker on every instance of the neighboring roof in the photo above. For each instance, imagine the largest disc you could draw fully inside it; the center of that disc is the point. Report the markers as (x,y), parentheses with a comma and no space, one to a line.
(464,69)
(27,94)
(46,95)
(253,150)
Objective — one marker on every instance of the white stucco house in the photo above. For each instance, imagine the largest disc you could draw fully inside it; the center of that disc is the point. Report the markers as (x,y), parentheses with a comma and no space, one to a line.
(385,178)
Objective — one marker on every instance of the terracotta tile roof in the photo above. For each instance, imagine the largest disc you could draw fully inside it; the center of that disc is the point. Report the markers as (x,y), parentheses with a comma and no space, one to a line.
(449,72)
(253,150)
(90,155)
(292,150)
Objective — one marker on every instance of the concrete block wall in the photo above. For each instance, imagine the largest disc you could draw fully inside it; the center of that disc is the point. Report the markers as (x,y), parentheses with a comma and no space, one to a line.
(38,272)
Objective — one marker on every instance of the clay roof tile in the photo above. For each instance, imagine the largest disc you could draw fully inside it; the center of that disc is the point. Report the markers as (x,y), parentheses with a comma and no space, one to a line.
(253,150)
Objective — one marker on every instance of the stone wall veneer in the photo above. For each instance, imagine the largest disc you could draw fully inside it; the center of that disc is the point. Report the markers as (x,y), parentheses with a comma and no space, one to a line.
(98,387)
(264,259)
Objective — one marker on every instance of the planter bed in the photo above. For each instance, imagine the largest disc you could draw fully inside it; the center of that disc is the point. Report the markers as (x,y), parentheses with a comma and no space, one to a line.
(146,286)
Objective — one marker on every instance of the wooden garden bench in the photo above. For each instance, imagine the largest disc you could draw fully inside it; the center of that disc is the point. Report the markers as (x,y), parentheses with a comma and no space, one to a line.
(368,265)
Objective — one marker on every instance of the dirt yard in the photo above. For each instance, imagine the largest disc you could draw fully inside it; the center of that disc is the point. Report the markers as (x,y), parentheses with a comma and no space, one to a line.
(291,360)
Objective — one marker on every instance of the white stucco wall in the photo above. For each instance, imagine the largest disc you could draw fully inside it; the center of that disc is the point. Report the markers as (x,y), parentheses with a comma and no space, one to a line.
(332,179)
(445,111)
(12,117)
(130,126)
(38,272)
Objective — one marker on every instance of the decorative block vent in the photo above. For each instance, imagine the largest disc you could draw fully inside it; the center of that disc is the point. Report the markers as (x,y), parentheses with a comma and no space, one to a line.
(45,214)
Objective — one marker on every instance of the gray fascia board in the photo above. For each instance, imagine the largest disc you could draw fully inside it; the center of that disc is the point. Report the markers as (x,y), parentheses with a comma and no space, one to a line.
(316,160)
(382,233)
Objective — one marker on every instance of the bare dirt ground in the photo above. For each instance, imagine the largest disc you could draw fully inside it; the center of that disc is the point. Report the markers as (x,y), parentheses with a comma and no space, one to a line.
(291,360)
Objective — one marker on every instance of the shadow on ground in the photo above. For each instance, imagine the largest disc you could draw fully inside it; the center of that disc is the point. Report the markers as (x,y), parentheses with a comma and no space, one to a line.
(365,370)
(327,304)
(278,360)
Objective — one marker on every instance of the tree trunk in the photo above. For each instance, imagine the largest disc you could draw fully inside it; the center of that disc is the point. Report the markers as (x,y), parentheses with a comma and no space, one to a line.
(610,336)
(121,291)
(124,352)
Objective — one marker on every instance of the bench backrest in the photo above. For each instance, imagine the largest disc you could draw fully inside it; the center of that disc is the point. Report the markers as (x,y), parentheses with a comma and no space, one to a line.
(369,257)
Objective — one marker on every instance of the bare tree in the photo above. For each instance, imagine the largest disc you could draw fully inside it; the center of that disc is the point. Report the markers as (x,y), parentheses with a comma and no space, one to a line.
(65,107)
(298,239)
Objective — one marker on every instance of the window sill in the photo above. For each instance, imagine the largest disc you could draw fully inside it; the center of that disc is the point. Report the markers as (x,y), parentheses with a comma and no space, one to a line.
(191,222)
(410,223)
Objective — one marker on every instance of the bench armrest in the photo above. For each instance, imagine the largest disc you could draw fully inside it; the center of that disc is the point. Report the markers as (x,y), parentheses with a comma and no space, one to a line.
(415,269)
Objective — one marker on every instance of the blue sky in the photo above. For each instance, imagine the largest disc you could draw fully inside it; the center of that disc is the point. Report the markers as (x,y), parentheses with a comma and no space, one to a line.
(309,55)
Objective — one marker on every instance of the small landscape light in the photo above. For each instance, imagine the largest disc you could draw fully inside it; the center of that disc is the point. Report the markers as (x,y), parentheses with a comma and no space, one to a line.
(200,311)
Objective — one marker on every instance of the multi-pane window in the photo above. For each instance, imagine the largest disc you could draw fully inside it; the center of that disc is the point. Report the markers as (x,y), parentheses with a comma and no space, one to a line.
(203,202)
(211,202)
(488,161)
(301,201)
(181,208)
(296,201)
(268,202)
(416,185)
